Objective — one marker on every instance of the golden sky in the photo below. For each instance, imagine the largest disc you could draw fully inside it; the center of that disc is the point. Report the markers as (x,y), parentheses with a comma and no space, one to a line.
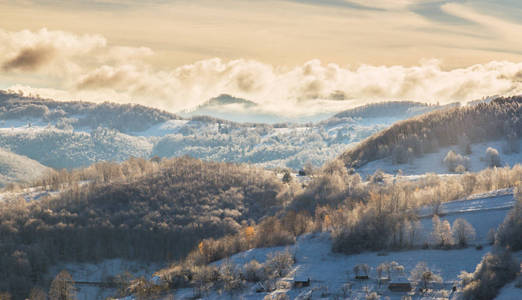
(190,50)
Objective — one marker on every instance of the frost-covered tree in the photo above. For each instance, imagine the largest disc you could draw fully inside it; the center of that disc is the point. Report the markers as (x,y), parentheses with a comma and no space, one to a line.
(492,157)
(510,231)
(441,234)
(453,160)
(413,231)
(463,232)
(422,273)
(494,271)
(383,269)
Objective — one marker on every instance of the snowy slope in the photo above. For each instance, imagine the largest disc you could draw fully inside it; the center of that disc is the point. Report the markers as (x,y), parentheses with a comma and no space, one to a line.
(18,168)
(101,272)
(498,199)
(329,271)
(510,292)
(432,162)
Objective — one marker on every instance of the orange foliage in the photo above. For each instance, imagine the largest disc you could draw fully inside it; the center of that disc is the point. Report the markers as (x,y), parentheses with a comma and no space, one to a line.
(250,231)
(327,222)
(200,247)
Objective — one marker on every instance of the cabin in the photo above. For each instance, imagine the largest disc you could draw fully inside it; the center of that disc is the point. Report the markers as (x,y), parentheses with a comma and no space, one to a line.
(301,281)
(400,285)
(362,277)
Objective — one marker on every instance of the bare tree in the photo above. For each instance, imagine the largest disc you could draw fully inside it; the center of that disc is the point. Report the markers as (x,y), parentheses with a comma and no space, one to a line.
(421,273)
(62,287)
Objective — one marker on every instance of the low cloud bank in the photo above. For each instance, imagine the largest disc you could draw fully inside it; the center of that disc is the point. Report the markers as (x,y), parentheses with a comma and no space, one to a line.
(87,67)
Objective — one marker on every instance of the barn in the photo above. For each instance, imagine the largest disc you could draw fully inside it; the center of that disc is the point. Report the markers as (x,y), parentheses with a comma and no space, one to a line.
(301,281)
(400,285)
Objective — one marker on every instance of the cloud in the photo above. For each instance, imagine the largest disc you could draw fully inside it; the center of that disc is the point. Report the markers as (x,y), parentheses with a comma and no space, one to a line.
(86,67)
(60,53)
(29,59)
(310,88)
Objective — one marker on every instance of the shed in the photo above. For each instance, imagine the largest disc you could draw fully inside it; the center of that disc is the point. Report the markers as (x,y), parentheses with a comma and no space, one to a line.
(301,280)
(400,284)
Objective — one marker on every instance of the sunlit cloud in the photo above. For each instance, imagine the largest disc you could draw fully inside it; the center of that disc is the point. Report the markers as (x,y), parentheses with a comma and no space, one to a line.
(313,87)
(290,57)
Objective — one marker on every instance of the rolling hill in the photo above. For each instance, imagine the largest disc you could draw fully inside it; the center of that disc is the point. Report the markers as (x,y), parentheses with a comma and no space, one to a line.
(76,134)
(403,141)
(15,168)
(139,210)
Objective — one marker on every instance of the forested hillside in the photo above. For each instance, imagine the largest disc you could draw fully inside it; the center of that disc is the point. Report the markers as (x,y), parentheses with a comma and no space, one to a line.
(386,217)
(497,119)
(141,210)
(77,134)
(123,117)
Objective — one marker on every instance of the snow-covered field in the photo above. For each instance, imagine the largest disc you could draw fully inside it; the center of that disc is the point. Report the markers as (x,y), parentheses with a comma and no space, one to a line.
(102,272)
(432,162)
(329,272)
(511,291)
(28,194)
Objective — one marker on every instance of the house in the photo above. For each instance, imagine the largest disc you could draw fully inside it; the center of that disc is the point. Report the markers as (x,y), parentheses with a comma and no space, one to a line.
(400,284)
(301,281)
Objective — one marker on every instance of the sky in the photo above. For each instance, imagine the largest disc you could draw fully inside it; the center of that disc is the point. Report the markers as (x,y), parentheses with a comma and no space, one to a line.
(290,56)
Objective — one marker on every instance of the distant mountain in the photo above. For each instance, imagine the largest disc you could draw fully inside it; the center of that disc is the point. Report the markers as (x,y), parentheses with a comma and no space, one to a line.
(241,110)
(18,168)
(225,99)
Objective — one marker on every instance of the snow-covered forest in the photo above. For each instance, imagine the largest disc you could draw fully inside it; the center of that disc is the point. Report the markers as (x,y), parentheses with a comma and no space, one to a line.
(77,134)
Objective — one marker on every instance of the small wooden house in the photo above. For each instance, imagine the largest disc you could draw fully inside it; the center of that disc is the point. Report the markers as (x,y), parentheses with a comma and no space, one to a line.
(362,277)
(400,285)
(301,281)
